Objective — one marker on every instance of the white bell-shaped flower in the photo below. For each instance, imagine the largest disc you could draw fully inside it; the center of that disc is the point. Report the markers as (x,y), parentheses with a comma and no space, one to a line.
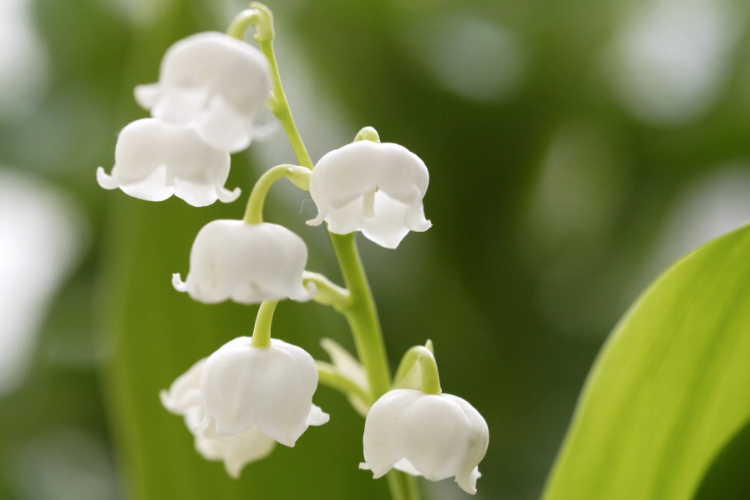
(214,83)
(433,435)
(154,160)
(244,386)
(183,398)
(247,263)
(373,187)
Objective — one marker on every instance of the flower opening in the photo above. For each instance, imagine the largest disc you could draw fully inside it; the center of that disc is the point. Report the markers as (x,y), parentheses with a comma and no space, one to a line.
(376,188)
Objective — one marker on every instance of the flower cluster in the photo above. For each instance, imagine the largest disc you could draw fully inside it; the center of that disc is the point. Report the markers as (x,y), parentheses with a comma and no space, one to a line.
(256,391)
(211,88)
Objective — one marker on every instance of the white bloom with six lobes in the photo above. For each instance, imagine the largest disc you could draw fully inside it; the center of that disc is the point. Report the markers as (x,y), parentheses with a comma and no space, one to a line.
(434,435)
(154,160)
(244,386)
(371,187)
(184,398)
(247,263)
(214,83)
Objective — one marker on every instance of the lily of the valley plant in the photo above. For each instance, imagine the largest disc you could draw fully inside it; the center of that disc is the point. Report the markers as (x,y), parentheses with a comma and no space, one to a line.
(257,391)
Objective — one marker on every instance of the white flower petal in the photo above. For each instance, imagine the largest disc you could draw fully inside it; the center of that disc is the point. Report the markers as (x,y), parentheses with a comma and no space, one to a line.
(247,263)
(105,180)
(437,436)
(405,466)
(235,451)
(371,187)
(154,160)
(146,95)
(178,284)
(184,393)
(344,220)
(214,83)
(152,188)
(180,105)
(225,128)
(226,196)
(390,226)
(415,219)
(317,416)
(244,386)
(467,471)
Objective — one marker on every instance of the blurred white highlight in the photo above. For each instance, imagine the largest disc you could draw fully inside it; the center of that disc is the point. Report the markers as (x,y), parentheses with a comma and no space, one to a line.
(709,207)
(40,240)
(668,63)
(141,13)
(580,185)
(473,57)
(23,60)
(65,465)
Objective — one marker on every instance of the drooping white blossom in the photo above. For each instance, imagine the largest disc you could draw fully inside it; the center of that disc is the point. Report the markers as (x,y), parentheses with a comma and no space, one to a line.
(154,160)
(214,83)
(376,188)
(247,263)
(433,435)
(184,398)
(243,386)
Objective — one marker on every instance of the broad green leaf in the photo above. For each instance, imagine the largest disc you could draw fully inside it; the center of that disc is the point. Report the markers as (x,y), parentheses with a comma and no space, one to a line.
(670,388)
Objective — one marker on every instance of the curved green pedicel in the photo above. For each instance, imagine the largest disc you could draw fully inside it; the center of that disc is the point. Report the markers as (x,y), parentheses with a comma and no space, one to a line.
(299,176)
(262,330)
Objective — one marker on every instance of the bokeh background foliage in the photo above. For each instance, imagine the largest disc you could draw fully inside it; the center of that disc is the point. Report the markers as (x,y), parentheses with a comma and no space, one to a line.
(575,149)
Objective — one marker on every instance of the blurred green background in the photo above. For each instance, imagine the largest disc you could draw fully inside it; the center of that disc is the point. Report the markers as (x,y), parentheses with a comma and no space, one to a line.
(575,149)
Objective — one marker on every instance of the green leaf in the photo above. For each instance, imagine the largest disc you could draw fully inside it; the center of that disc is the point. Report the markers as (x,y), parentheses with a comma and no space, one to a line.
(671,386)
